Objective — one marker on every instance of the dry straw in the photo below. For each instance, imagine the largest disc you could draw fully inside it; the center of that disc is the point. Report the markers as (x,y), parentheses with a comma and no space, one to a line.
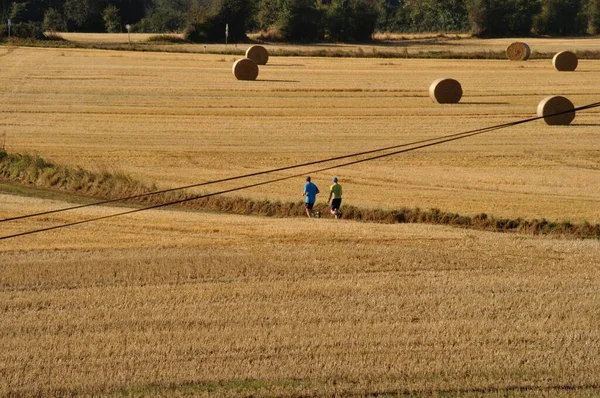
(518,51)
(245,69)
(258,54)
(565,61)
(556,104)
(445,91)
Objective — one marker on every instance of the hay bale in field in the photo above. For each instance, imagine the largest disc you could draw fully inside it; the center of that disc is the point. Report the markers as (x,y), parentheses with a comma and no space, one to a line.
(518,51)
(258,54)
(245,69)
(565,61)
(445,91)
(556,104)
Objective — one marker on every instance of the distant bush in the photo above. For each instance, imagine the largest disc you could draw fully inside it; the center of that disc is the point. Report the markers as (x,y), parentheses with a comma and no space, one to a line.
(272,34)
(166,39)
(27,30)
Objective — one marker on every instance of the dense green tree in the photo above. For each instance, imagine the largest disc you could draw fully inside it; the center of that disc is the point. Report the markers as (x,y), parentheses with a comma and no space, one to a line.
(112,19)
(497,18)
(4,10)
(236,14)
(268,12)
(561,17)
(300,20)
(165,16)
(393,16)
(310,20)
(53,21)
(212,21)
(437,15)
(28,10)
(85,15)
(388,9)
(18,12)
(593,16)
(166,20)
(352,20)
(131,11)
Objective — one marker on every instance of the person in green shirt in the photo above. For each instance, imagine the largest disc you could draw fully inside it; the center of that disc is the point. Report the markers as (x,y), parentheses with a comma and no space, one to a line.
(335,196)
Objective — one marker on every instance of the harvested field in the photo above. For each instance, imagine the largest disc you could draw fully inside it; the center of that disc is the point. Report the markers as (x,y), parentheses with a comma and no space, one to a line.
(386,44)
(168,302)
(179,119)
(164,303)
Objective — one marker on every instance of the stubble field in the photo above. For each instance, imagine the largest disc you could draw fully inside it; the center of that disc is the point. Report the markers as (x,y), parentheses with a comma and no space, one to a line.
(171,303)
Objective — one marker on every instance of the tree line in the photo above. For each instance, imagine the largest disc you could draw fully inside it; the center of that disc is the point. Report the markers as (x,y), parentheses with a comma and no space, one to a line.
(302,20)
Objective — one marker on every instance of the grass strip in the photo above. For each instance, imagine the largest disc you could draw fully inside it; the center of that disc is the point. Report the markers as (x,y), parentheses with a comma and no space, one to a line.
(34,171)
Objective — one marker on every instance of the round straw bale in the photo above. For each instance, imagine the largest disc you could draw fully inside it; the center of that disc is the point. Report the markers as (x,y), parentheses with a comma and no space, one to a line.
(565,61)
(445,91)
(556,104)
(245,69)
(258,54)
(518,51)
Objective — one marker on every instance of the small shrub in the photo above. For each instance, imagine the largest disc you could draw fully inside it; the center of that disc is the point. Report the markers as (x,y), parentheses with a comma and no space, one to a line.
(166,39)
(273,34)
(27,30)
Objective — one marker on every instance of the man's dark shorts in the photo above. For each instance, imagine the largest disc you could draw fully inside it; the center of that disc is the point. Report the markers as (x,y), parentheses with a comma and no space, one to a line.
(309,205)
(336,203)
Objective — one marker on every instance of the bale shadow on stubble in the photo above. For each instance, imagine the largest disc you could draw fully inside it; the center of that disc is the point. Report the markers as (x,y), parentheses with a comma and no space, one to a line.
(277,81)
(483,103)
(285,65)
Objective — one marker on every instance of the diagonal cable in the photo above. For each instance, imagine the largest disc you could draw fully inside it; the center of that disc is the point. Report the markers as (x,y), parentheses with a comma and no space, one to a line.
(466,133)
(441,140)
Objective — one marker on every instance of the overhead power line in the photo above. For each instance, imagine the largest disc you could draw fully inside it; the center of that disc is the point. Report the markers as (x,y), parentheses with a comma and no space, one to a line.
(233,178)
(413,146)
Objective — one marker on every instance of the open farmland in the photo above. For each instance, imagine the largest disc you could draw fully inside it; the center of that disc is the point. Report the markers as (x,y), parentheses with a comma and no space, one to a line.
(179,119)
(170,302)
(164,303)
(386,43)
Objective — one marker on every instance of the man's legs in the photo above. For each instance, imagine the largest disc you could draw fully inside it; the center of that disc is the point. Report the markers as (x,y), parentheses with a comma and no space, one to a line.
(335,208)
(309,209)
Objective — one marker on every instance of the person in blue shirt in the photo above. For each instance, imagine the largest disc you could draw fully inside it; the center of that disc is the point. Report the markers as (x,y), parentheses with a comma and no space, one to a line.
(310,191)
